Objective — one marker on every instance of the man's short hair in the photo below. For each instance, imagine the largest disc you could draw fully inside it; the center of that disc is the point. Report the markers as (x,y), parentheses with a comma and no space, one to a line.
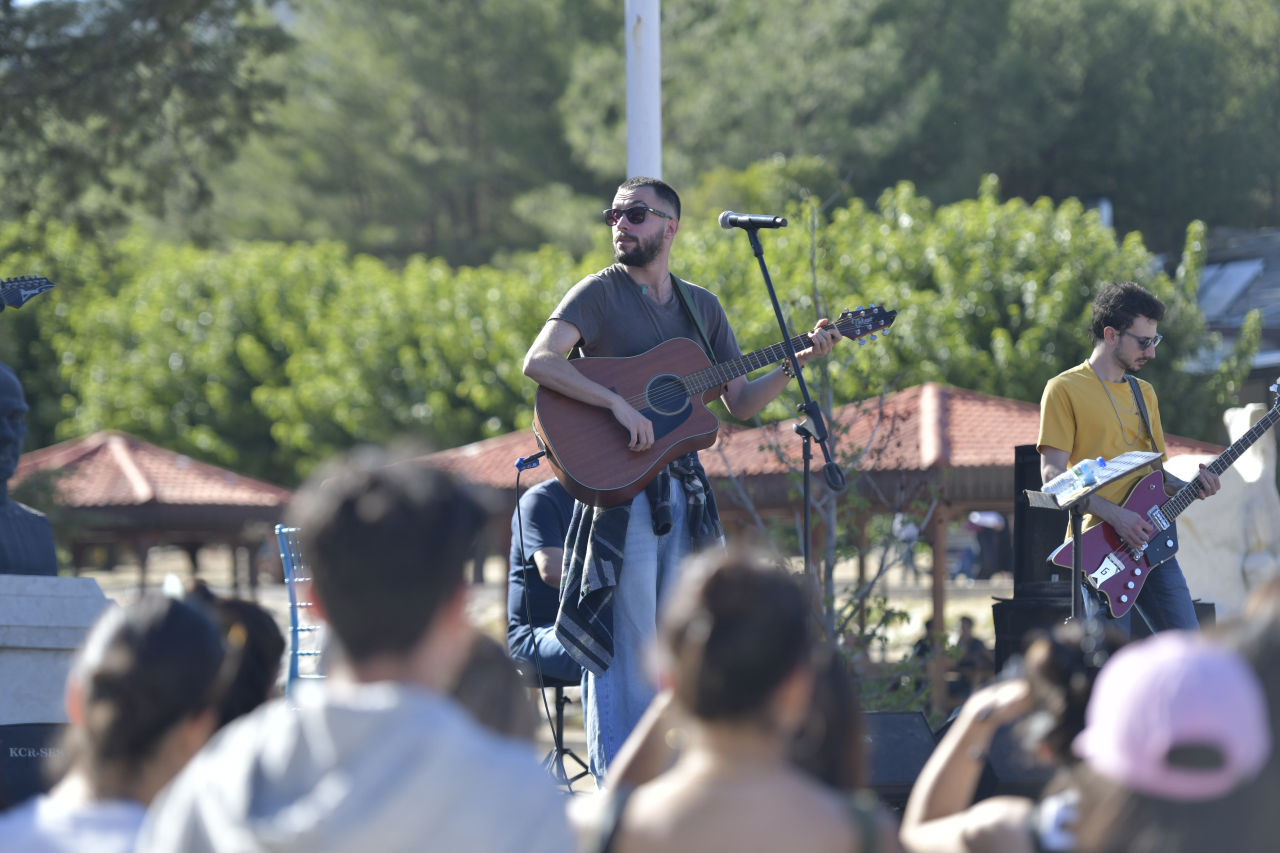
(385,543)
(661,188)
(1119,304)
(964,619)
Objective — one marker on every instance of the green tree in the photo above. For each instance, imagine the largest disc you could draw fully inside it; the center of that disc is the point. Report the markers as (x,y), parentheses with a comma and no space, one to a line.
(113,107)
(1168,107)
(992,295)
(413,127)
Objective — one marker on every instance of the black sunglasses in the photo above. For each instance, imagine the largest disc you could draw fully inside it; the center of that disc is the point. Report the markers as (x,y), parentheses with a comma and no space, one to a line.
(1145,342)
(635,215)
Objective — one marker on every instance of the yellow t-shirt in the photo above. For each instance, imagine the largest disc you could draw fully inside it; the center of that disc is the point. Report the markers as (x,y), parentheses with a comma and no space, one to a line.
(1076,416)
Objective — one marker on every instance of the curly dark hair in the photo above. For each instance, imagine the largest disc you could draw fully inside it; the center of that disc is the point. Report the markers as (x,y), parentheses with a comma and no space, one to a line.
(1119,304)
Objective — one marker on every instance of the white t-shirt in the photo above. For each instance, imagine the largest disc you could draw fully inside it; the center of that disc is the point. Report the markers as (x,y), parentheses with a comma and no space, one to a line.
(43,825)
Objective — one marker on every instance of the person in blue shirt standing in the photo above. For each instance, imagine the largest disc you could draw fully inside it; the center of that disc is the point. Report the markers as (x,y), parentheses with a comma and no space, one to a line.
(547,509)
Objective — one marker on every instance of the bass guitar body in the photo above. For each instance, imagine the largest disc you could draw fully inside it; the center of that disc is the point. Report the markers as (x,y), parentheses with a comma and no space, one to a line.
(1111,567)
(587,447)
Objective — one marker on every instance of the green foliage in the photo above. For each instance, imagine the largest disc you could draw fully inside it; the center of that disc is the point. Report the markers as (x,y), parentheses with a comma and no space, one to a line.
(1168,107)
(109,108)
(992,296)
(412,127)
(269,357)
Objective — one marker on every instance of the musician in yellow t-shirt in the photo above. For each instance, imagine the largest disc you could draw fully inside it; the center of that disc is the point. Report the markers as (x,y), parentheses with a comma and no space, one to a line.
(1091,411)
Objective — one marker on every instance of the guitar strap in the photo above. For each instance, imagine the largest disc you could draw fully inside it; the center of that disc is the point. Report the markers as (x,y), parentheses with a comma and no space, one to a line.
(686,300)
(1142,410)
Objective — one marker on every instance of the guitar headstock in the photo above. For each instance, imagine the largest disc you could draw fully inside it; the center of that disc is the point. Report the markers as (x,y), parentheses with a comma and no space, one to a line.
(16,292)
(861,323)
(1275,389)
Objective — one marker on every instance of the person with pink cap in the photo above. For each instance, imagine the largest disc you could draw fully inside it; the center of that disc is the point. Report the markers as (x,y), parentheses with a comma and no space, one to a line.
(1175,729)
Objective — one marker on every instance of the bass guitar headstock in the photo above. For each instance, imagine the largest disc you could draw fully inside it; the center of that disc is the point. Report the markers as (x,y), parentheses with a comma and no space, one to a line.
(15,292)
(863,323)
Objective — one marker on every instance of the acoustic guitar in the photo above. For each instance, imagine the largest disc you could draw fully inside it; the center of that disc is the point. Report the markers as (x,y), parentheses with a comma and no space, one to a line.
(670,385)
(15,292)
(1117,570)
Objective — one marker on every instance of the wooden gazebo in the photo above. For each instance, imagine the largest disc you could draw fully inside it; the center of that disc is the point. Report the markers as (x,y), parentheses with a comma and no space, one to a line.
(115,489)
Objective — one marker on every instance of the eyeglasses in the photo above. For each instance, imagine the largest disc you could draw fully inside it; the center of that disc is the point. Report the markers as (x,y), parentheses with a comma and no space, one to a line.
(635,215)
(1145,342)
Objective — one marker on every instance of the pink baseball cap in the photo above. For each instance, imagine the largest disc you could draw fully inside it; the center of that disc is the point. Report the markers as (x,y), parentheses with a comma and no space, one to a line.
(1176,717)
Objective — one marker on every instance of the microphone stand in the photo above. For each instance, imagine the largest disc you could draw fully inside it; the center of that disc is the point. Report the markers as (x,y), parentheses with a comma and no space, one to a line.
(813,427)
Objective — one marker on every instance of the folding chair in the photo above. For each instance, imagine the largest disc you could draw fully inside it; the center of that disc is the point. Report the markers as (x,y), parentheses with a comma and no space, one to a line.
(294,573)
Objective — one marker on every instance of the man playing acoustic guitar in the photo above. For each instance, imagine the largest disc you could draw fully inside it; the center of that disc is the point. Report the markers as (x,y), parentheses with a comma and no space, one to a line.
(1091,411)
(621,562)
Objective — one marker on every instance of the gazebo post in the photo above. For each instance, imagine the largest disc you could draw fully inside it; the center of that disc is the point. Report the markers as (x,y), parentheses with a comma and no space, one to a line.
(860,520)
(938,542)
(193,549)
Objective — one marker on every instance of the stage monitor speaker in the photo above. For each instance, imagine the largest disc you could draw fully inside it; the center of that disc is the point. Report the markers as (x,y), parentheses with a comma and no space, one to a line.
(1015,618)
(1036,533)
(24,750)
(1010,770)
(900,744)
(1206,615)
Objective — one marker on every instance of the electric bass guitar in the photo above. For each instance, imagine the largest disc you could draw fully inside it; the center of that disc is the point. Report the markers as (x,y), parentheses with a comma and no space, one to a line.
(670,385)
(1117,570)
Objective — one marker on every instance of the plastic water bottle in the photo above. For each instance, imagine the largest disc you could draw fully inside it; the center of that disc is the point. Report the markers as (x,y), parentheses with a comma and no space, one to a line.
(1086,471)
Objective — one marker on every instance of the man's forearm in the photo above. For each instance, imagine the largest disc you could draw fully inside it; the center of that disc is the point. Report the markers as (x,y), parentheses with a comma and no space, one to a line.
(755,394)
(554,371)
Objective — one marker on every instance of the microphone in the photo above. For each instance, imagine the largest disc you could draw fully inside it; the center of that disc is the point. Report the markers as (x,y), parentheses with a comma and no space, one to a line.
(729,219)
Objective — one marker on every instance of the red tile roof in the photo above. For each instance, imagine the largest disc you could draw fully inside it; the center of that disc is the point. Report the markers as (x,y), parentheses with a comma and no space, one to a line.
(926,426)
(115,469)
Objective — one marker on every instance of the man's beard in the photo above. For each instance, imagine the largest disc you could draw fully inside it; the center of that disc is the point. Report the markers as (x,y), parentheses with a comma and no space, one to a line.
(639,255)
(1125,365)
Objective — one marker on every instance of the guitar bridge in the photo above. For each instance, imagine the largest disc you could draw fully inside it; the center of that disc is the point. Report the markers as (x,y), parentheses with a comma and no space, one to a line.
(1111,566)
(1157,518)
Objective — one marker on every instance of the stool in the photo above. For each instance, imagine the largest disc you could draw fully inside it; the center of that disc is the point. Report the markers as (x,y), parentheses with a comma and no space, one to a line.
(553,764)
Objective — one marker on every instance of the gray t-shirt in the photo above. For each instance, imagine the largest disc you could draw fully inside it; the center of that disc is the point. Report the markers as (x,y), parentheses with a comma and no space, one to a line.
(616,320)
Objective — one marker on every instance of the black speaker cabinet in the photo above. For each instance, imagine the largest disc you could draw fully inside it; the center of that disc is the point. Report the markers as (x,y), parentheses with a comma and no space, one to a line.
(1015,618)
(900,743)
(1009,770)
(1036,533)
(24,749)
(1206,615)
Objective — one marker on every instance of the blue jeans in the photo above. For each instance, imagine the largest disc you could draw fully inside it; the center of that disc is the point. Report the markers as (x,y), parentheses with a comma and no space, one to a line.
(1165,602)
(613,703)
(555,661)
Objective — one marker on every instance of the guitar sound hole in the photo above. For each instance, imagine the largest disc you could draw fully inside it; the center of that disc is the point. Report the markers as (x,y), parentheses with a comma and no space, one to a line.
(665,394)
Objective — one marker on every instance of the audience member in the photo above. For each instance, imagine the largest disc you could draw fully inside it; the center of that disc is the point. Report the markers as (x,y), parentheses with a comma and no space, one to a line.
(976,663)
(1060,669)
(1257,639)
(545,512)
(376,757)
(253,633)
(490,688)
(1176,729)
(739,664)
(141,700)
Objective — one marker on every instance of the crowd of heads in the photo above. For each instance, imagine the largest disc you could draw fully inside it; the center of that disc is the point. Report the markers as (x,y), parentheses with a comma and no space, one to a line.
(1164,745)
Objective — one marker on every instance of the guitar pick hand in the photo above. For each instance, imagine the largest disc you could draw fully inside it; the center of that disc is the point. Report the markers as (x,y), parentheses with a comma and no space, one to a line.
(640,427)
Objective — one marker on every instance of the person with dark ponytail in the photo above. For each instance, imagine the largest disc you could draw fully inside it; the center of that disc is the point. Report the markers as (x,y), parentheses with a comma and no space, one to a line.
(1059,672)
(141,700)
(739,663)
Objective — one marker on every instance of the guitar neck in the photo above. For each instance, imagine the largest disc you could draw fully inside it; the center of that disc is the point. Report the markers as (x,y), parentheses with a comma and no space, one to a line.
(718,374)
(1188,493)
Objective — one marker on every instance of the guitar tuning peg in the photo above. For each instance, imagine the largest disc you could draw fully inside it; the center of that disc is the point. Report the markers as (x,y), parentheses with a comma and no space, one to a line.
(862,342)
(885,332)
(859,307)
(872,305)
(873,337)
(1275,388)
